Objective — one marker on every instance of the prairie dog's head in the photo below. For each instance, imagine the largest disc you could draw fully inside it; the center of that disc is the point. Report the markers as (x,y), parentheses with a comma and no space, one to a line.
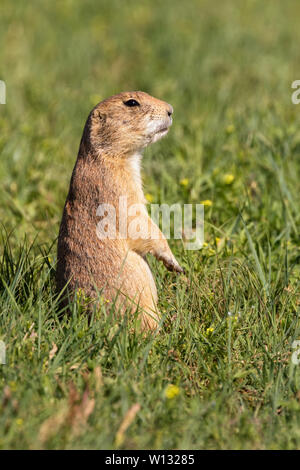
(127,122)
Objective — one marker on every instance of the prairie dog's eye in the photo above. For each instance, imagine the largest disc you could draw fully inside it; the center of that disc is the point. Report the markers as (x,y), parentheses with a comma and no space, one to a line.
(131,103)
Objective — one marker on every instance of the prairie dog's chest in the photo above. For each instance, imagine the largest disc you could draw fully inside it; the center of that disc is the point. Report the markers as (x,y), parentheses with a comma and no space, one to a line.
(133,166)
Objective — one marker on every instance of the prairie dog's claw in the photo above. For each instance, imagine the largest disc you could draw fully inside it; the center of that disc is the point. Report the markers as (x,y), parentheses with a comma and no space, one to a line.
(179,269)
(172,265)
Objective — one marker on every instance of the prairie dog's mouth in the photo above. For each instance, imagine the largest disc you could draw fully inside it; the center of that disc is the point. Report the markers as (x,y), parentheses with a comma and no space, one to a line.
(162,130)
(160,133)
(157,130)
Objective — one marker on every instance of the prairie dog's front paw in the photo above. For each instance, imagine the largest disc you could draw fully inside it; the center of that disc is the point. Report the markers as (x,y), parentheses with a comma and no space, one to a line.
(171,264)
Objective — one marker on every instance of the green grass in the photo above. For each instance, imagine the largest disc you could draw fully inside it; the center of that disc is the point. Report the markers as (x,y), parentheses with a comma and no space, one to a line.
(227,69)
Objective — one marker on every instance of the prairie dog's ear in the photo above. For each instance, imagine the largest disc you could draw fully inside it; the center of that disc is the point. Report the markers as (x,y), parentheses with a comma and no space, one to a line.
(98,115)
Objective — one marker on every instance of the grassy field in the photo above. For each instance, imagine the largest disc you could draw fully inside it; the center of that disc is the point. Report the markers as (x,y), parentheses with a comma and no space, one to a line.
(208,379)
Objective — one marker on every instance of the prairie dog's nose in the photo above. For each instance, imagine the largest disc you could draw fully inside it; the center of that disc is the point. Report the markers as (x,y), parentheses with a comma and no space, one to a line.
(170,110)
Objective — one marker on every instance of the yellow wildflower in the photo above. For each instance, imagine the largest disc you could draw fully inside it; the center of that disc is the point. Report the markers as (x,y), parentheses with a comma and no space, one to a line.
(171,391)
(207,202)
(210,330)
(149,197)
(233,318)
(230,129)
(184,182)
(228,178)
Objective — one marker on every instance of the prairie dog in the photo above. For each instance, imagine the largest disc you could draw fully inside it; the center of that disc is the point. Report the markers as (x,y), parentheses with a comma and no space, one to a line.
(107,168)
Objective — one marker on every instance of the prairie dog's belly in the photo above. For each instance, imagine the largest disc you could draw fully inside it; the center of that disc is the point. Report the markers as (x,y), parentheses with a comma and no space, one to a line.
(143,278)
(132,276)
(109,265)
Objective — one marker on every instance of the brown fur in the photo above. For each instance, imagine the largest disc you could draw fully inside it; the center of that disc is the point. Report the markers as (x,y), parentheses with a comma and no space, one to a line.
(107,167)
